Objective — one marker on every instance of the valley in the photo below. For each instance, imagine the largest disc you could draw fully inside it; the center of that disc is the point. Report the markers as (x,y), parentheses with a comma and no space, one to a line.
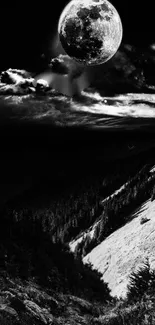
(70,244)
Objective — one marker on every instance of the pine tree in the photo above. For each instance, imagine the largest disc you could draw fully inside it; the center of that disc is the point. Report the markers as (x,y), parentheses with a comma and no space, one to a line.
(141,282)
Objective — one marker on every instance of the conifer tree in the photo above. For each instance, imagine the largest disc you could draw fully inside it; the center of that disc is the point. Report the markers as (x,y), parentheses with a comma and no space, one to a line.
(141,282)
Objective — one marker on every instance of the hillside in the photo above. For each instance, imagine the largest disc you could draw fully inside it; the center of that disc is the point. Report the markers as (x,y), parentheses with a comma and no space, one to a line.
(126,249)
(28,303)
(116,209)
(119,242)
(73,244)
(42,282)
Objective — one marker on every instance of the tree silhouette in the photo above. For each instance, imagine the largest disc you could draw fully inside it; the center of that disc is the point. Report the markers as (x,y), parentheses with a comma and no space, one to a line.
(141,282)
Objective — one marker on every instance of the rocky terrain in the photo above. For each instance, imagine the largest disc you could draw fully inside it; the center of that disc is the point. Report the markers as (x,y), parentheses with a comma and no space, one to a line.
(27,303)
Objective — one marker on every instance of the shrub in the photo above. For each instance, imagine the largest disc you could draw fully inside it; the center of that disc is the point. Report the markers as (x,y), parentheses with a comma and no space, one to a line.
(144,220)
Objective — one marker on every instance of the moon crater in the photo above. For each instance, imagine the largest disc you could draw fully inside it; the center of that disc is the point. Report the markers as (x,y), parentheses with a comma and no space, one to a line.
(90,31)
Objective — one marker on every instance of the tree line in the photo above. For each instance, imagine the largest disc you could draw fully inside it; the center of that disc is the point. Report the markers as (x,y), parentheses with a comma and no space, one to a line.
(76,208)
(28,253)
(116,210)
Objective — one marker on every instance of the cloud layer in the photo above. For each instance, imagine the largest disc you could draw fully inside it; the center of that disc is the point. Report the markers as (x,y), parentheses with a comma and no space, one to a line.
(129,70)
(117,94)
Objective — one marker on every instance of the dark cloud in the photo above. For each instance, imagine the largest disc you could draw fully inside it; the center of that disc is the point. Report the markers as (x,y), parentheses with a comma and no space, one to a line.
(63,64)
(130,69)
(13,76)
(42,86)
(15,90)
(15,81)
(58,65)
(65,76)
(20,82)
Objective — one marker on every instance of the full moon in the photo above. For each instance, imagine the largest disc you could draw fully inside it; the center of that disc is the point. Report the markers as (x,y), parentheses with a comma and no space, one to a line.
(90,31)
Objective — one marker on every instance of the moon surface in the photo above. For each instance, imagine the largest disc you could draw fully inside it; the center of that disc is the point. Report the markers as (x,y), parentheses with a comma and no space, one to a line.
(90,31)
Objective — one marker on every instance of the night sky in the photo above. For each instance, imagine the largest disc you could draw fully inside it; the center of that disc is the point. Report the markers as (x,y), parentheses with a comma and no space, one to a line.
(28,28)
(32,151)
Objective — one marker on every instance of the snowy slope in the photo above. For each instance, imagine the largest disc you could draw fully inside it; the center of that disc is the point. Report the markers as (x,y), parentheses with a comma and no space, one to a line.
(125,250)
(91,230)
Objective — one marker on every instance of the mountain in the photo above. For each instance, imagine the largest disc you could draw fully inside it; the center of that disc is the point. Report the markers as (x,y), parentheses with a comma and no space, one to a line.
(126,249)
(42,282)
(29,303)
(125,245)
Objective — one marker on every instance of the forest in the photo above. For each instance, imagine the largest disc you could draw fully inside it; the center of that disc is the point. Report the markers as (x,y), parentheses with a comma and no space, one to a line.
(72,208)
(27,252)
(35,237)
(117,210)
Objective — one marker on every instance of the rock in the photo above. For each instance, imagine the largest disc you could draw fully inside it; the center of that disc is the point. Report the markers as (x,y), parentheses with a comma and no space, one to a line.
(8,310)
(83,305)
(49,317)
(41,314)
(7,294)
(53,303)
(22,295)
(110,319)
